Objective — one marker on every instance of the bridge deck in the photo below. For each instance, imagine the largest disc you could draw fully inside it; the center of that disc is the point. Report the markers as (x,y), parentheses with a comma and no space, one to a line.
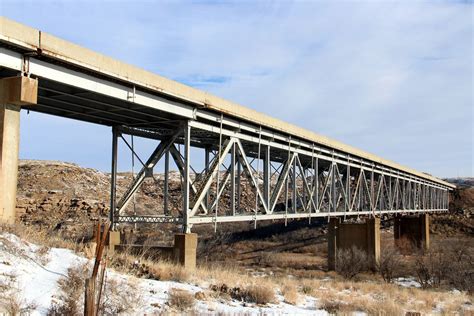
(45,48)
(292,172)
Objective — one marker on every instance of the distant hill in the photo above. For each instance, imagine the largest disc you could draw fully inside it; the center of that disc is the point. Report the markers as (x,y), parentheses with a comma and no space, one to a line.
(461,181)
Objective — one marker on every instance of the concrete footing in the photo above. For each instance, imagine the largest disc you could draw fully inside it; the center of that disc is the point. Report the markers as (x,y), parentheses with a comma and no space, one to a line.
(113,240)
(415,229)
(365,236)
(183,252)
(185,246)
(14,92)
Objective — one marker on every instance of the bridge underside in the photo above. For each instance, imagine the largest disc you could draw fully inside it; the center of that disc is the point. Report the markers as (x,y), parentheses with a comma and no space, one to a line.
(250,172)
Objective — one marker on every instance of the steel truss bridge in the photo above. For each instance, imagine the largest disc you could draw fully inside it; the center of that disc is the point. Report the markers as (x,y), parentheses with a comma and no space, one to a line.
(293,173)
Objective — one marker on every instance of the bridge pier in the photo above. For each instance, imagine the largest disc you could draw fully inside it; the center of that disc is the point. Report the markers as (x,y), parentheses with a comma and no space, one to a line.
(416,229)
(14,92)
(185,246)
(365,236)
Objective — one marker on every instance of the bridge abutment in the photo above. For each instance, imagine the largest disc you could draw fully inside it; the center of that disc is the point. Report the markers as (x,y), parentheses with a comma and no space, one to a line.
(14,92)
(364,236)
(415,229)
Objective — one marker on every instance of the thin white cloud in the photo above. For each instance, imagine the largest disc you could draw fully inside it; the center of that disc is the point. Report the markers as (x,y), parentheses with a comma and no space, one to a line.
(394,78)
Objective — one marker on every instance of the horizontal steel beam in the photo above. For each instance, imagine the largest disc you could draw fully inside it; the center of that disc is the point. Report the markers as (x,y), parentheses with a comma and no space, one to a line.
(262,217)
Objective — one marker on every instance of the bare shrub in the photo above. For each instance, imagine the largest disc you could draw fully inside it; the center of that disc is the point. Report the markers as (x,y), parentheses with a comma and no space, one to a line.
(120,297)
(461,273)
(389,264)
(351,262)
(181,299)
(449,263)
(71,290)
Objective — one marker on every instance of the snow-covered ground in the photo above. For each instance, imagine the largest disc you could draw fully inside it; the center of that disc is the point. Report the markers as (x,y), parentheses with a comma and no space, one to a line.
(31,273)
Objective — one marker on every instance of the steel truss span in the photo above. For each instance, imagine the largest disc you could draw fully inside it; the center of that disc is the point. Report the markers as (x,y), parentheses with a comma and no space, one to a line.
(286,181)
(254,168)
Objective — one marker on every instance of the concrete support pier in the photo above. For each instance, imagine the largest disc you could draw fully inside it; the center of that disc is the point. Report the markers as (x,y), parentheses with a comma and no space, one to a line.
(14,92)
(185,246)
(415,229)
(365,236)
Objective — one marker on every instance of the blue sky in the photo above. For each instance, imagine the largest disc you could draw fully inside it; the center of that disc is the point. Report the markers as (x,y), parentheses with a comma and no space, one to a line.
(392,78)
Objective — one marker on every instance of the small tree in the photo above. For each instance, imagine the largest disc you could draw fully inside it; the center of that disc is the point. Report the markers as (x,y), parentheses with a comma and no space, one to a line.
(350,262)
(389,264)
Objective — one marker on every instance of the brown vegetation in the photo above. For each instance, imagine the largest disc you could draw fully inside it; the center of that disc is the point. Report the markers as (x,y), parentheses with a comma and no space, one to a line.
(181,299)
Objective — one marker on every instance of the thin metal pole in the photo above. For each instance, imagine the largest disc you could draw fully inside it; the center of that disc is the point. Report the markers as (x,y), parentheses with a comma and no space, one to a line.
(113,174)
(333,187)
(232,180)
(133,177)
(239,189)
(207,154)
(348,188)
(258,174)
(166,183)
(316,173)
(372,193)
(218,174)
(187,150)
(311,194)
(267,176)
(294,186)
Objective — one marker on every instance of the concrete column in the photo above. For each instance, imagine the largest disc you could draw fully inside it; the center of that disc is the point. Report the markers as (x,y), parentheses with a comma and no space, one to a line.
(415,229)
(113,240)
(334,223)
(185,246)
(373,240)
(365,236)
(14,92)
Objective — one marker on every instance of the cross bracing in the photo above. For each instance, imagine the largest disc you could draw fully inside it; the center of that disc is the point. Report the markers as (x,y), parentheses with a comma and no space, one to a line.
(287,181)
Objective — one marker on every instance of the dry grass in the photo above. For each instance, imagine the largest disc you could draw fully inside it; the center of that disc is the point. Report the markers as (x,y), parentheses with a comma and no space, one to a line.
(290,294)
(181,300)
(71,291)
(371,295)
(42,237)
(258,293)
(11,300)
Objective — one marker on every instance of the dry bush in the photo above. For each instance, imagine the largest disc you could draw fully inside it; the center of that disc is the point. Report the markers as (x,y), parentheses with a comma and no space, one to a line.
(448,263)
(71,289)
(389,264)
(258,293)
(253,293)
(351,262)
(405,245)
(181,299)
(146,268)
(290,293)
(120,297)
